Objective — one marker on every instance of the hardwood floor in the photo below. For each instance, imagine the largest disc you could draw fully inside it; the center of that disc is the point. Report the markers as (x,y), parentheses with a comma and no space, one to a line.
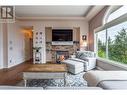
(13,75)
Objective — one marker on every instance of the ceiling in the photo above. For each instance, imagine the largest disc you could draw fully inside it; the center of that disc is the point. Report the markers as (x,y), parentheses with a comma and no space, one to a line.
(39,12)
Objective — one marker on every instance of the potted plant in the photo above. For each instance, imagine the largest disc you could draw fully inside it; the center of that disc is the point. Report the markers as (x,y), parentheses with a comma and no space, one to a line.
(36,48)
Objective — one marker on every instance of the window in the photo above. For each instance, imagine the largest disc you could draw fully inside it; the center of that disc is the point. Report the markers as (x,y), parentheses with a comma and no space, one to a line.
(117,43)
(111,42)
(119,12)
(101,42)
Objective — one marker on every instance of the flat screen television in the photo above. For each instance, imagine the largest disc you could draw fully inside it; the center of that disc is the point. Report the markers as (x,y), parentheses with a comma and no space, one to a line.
(62,35)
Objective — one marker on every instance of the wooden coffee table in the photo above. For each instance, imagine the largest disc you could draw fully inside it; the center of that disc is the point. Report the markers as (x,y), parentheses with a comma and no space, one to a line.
(45,71)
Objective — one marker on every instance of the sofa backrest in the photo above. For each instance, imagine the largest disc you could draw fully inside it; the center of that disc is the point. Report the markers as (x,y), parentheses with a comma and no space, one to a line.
(82,54)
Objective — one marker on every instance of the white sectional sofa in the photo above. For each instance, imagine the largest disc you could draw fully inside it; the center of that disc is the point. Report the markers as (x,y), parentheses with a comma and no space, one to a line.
(81,61)
(107,79)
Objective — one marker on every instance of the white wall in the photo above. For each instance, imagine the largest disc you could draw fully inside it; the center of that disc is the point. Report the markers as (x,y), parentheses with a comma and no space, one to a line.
(1,46)
(5,45)
(17,45)
(39,26)
(28,47)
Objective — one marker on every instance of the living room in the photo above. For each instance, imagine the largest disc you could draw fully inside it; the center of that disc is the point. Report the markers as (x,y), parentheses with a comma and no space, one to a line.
(52,39)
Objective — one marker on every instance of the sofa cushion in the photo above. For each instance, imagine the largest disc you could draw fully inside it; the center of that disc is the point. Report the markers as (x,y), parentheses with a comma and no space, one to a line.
(83,54)
(77,59)
(78,54)
(76,70)
(73,64)
(114,84)
(95,77)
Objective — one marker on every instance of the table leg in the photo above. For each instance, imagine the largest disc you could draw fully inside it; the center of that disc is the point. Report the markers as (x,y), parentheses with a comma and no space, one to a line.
(25,82)
(65,82)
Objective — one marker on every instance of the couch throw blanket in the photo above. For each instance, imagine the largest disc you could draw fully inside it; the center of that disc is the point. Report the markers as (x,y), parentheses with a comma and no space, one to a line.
(95,77)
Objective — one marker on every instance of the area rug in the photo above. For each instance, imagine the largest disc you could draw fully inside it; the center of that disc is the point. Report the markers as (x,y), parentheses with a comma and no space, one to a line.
(72,81)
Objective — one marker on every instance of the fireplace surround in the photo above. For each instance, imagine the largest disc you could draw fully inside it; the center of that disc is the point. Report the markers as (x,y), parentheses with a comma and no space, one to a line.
(52,47)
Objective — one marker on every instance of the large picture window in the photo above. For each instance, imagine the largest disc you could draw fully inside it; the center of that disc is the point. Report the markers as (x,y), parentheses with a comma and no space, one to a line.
(112,42)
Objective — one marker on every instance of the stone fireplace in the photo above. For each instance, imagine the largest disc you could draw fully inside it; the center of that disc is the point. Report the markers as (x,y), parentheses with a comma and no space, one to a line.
(56,50)
(66,50)
(53,51)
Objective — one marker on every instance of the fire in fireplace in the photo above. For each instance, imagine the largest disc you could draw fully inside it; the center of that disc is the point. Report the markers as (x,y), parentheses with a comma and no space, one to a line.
(61,55)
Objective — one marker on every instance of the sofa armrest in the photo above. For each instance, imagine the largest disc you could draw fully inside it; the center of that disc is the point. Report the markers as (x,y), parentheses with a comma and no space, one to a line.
(90,60)
(91,63)
(77,59)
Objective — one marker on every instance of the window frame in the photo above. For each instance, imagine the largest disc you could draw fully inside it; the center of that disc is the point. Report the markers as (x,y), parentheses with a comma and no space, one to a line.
(105,26)
(109,11)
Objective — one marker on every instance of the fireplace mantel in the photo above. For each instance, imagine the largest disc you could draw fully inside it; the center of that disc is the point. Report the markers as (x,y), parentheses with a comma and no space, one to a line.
(62,42)
(59,50)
